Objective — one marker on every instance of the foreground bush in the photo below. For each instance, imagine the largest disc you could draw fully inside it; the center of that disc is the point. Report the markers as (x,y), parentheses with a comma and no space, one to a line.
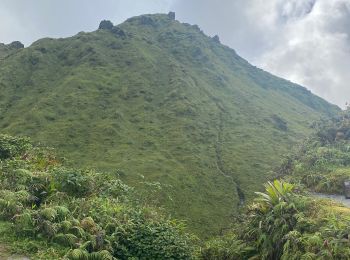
(12,146)
(322,162)
(92,215)
(281,224)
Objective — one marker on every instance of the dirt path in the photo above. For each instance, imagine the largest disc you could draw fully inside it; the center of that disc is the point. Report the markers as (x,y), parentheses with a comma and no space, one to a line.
(218,148)
(220,163)
(5,255)
(337,198)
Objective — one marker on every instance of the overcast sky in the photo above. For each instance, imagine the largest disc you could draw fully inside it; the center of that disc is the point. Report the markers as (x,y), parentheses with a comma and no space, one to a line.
(306,41)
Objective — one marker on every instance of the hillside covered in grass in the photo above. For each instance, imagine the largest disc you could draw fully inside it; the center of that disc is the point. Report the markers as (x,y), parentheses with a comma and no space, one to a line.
(49,211)
(289,221)
(153,99)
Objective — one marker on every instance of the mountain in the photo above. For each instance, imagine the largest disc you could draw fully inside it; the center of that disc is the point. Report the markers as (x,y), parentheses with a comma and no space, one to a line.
(160,104)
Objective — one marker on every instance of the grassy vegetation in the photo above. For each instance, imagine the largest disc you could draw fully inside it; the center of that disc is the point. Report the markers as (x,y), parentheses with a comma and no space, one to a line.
(286,222)
(48,211)
(283,224)
(34,248)
(153,100)
(322,162)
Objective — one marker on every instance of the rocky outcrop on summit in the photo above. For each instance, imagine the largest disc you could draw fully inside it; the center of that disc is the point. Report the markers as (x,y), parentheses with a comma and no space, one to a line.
(216,38)
(16,45)
(105,25)
(7,49)
(108,25)
(171,15)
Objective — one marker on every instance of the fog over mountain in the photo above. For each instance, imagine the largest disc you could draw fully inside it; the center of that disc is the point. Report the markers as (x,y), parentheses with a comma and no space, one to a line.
(305,41)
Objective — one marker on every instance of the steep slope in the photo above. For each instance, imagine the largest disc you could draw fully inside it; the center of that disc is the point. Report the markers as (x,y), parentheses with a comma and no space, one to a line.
(49,211)
(157,100)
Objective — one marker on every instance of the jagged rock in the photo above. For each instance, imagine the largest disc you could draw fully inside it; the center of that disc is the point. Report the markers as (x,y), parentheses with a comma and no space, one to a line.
(171,15)
(105,25)
(16,45)
(216,38)
(117,31)
(196,27)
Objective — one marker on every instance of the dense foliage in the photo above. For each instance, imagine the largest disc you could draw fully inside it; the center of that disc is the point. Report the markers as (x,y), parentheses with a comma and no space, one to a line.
(282,224)
(83,214)
(287,221)
(91,215)
(156,98)
(322,162)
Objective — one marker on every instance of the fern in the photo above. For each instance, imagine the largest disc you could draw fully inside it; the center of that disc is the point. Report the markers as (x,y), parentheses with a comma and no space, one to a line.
(77,254)
(49,214)
(69,240)
(80,254)
(62,212)
(65,226)
(101,255)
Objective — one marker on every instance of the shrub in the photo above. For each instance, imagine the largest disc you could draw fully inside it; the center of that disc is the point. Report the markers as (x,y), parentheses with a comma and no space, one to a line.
(72,181)
(228,247)
(90,216)
(13,203)
(12,146)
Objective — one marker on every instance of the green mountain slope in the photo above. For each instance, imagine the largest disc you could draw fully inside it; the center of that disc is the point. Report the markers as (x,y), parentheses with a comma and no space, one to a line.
(157,100)
(49,211)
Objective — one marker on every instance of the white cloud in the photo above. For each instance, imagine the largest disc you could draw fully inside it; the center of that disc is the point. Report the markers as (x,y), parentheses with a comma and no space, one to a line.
(306,41)
(312,48)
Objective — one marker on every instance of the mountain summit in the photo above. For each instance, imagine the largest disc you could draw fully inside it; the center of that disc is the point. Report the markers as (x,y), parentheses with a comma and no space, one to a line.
(156,100)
